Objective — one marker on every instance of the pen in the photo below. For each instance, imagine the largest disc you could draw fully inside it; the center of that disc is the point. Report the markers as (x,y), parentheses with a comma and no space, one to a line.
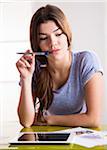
(36,53)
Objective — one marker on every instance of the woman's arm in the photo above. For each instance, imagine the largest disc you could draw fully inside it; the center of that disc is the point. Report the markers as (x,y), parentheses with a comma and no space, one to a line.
(93,97)
(26,112)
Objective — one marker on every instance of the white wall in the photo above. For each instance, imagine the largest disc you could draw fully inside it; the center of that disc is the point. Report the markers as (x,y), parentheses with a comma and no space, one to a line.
(88,22)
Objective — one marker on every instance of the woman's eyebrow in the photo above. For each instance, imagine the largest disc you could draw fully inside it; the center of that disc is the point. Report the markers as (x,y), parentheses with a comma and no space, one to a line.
(56,29)
(46,33)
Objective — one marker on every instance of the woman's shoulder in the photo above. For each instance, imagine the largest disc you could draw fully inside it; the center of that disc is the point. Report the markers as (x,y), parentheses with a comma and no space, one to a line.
(87,59)
(88,63)
(84,53)
(86,56)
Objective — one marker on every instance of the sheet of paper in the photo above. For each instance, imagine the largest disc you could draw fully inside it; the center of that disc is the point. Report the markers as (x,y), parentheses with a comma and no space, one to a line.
(87,137)
(90,140)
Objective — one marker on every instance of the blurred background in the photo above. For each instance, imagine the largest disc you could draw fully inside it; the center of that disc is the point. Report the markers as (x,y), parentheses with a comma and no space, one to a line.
(88,20)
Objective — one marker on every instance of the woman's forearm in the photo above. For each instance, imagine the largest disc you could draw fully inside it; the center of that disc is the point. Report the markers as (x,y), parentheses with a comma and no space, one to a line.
(74,120)
(26,110)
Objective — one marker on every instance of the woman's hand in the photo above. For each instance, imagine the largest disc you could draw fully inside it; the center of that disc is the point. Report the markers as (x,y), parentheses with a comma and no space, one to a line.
(49,119)
(26,65)
(45,119)
(41,121)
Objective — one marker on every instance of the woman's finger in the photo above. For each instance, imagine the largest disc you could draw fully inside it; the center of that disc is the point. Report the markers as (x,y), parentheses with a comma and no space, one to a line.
(26,62)
(20,64)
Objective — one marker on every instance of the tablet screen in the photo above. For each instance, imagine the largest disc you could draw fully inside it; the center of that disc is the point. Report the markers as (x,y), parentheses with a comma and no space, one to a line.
(44,137)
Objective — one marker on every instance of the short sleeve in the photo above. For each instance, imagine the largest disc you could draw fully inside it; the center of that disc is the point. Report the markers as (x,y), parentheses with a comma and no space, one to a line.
(90,64)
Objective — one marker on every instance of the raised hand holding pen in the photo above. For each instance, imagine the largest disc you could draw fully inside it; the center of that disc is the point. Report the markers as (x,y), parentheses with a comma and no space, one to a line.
(26,64)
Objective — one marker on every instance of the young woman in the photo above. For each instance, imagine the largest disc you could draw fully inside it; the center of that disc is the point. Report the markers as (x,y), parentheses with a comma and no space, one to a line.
(62,88)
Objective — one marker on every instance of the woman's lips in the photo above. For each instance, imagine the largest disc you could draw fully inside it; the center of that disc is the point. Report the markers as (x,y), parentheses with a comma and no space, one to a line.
(54,50)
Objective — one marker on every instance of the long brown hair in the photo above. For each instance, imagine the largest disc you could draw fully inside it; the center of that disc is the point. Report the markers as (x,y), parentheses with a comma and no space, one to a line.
(44,84)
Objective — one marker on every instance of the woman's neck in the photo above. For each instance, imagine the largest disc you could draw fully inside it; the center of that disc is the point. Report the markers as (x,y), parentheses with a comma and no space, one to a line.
(61,65)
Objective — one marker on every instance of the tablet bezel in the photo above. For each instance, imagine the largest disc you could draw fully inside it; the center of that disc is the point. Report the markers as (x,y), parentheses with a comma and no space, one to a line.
(15,140)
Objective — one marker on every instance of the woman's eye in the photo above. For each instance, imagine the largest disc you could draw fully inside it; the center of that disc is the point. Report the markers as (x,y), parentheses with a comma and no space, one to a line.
(43,38)
(59,34)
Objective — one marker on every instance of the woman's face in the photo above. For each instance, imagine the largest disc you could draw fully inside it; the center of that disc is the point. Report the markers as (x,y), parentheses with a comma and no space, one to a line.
(53,39)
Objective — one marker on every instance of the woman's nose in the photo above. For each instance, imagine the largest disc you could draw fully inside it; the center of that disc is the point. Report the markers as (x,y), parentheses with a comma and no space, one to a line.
(53,41)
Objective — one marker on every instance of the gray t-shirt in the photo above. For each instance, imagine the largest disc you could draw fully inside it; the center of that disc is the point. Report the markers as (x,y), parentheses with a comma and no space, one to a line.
(69,99)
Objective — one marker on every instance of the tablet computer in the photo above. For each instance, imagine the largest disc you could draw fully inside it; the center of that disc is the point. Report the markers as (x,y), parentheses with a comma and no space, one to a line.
(27,138)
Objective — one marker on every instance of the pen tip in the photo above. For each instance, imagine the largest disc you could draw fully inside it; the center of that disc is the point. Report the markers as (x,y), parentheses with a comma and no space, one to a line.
(47,53)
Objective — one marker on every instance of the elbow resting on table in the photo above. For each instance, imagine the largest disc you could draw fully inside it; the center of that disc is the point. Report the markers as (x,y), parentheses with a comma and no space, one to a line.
(95,124)
(26,124)
(95,121)
(26,121)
